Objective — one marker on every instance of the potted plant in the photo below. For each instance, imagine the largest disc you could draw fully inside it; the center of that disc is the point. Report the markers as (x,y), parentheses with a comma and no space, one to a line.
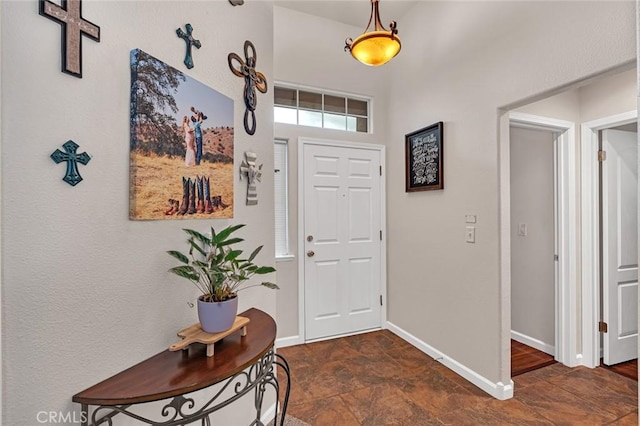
(219,271)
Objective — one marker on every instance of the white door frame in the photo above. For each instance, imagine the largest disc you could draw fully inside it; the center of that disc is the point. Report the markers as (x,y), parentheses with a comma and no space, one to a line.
(302,142)
(566,302)
(590,219)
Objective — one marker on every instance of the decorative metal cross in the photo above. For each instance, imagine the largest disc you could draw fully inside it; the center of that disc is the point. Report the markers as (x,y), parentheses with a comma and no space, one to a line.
(72,176)
(253,172)
(252,80)
(188,38)
(74,26)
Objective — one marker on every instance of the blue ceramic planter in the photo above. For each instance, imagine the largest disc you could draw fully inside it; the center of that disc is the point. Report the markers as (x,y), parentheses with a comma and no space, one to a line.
(216,317)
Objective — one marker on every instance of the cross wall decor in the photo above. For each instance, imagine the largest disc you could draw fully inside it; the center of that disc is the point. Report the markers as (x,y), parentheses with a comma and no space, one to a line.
(72,175)
(252,80)
(74,26)
(253,173)
(190,41)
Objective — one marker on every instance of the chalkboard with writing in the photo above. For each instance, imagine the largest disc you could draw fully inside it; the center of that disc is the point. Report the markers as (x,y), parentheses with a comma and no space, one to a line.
(424,159)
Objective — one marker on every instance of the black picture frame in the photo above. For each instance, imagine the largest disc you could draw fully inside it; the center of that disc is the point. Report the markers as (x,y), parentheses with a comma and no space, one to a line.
(424,159)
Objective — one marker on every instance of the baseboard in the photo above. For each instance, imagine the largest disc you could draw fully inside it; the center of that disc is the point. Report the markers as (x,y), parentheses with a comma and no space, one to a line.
(283,342)
(497,390)
(534,343)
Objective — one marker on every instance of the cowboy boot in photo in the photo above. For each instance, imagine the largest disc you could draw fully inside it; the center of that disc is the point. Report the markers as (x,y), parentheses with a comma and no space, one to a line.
(185,197)
(199,185)
(192,197)
(208,208)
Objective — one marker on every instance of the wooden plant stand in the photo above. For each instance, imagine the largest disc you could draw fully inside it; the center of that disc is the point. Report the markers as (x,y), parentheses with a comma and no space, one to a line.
(195,334)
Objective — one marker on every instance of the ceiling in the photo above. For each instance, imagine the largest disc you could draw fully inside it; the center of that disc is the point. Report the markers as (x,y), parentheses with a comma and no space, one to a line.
(351,12)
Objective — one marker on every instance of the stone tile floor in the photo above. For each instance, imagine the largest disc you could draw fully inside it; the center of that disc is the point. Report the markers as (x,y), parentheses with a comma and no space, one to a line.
(378,379)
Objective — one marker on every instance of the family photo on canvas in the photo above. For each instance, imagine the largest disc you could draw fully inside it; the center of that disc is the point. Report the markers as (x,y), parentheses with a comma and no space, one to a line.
(181,153)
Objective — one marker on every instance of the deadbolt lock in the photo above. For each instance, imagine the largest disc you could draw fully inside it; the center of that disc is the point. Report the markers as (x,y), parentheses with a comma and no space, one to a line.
(309,238)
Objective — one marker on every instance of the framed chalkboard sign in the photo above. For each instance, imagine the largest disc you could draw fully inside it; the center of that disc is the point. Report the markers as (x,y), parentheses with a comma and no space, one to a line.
(424,159)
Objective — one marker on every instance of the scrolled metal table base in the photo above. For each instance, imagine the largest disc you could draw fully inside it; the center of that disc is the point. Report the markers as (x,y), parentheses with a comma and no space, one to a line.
(180,410)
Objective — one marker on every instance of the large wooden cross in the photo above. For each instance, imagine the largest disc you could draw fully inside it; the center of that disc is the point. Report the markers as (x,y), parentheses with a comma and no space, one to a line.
(74,26)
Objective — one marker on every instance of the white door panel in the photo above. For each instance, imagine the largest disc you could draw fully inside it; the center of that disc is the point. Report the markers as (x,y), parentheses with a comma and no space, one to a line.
(343,260)
(620,245)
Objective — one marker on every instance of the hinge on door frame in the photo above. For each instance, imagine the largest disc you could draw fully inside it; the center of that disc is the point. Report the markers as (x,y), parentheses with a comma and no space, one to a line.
(602,155)
(381,235)
(380,170)
(380,300)
(602,327)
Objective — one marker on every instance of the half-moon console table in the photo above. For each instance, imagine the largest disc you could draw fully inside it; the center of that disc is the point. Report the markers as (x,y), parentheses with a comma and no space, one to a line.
(244,364)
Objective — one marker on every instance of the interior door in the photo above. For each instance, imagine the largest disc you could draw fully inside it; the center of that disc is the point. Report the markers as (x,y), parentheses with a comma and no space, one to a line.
(620,245)
(342,223)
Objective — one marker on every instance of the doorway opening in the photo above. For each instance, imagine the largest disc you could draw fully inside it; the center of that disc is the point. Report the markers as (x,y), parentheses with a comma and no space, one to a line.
(609,251)
(541,256)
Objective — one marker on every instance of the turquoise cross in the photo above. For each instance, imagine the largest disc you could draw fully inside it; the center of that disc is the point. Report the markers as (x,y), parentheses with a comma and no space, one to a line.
(72,176)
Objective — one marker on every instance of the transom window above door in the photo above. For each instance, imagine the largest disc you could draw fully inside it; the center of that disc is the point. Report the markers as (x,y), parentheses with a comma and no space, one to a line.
(315,108)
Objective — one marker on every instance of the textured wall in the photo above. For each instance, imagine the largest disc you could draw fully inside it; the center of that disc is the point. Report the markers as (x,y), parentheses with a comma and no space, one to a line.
(86,292)
(461,68)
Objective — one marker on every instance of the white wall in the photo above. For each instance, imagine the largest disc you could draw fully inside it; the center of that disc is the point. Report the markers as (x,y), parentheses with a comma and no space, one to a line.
(86,291)
(532,265)
(443,291)
(599,98)
(297,48)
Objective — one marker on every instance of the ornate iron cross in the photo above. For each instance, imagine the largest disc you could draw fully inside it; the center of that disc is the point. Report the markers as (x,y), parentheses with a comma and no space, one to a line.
(188,38)
(74,26)
(72,176)
(253,172)
(252,80)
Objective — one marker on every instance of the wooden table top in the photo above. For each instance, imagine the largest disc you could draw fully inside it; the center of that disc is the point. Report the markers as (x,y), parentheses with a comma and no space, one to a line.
(169,374)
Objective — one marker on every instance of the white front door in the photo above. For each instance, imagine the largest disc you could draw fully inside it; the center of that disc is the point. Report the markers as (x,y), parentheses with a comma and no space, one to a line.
(342,233)
(620,245)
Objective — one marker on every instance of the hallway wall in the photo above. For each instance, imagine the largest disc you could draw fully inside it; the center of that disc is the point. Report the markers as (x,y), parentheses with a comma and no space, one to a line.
(85,291)
(442,290)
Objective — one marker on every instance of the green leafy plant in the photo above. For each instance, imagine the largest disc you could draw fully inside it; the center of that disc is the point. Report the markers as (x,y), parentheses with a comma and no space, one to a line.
(215,267)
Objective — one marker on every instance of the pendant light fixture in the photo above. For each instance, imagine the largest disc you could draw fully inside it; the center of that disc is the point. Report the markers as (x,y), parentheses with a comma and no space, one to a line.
(376,47)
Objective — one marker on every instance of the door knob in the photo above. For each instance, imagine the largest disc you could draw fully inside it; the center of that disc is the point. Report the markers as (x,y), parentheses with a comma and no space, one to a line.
(310,253)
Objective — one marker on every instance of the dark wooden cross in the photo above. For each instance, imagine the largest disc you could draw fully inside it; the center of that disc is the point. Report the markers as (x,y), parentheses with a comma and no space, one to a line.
(74,26)
(72,176)
(188,38)
(252,80)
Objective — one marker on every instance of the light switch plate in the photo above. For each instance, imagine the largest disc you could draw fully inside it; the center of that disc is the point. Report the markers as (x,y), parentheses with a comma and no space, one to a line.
(470,218)
(522,230)
(471,234)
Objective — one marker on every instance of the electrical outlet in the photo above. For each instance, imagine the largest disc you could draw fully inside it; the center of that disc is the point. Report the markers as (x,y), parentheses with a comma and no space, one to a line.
(471,234)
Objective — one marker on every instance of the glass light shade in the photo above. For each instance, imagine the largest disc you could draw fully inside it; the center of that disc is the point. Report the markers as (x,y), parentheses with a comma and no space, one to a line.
(375,47)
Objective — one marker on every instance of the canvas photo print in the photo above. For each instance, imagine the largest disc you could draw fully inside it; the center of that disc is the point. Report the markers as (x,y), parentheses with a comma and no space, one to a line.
(181,149)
